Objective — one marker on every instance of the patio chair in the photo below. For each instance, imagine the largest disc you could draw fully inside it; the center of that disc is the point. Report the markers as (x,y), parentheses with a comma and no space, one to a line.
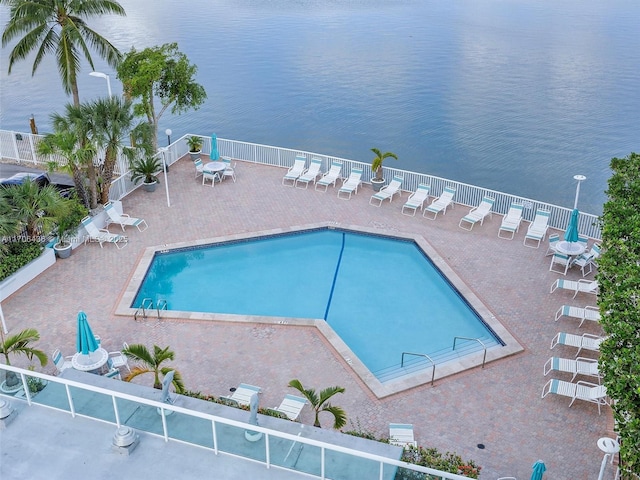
(311,174)
(401,434)
(585,261)
(213,176)
(387,192)
(511,221)
(123,219)
(291,406)
(198,164)
(477,214)
(294,172)
(538,228)
(61,363)
(119,359)
(553,240)
(585,341)
(114,374)
(586,313)
(101,235)
(441,203)
(330,177)
(584,286)
(564,262)
(243,394)
(578,366)
(416,199)
(229,170)
(351,184)
(589,392)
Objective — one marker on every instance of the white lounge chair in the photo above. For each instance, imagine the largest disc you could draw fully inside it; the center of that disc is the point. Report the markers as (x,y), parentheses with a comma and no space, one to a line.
(511,221)
(586,313)
(562,260)
(243,394)
(580,390)
(311,174)
(584,286)
(416,199)
(61,363)
(554,238)
(441,203)
(401,434)
(101,235)
(585,261)
(477,214)
(294,172)
(585,341)
(331,176)
(538,228)
(123,219)
(387,192)
(291,406)
(578,366)
(350,185)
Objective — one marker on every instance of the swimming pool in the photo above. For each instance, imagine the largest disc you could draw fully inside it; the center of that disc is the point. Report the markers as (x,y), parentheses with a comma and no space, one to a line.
(381,295)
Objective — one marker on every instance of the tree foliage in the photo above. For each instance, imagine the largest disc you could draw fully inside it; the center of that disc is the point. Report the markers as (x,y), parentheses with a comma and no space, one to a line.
(619,302)
(320,403)
(376,163)
(151,362)
(160,74)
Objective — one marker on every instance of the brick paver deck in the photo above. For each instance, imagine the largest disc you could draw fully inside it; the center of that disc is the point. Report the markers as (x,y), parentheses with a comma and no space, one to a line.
(498,406)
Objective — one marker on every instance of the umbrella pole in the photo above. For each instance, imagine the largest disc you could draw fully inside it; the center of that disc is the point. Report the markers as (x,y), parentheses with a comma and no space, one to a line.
(579,178)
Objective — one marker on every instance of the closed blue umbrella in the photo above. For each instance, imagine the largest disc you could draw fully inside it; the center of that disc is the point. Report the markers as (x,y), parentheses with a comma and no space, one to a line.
(571,235)
(214,147)
(85,339)
(538,470)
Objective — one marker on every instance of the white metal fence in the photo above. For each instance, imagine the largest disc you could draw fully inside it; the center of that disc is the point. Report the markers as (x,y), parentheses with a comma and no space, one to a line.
(21,147)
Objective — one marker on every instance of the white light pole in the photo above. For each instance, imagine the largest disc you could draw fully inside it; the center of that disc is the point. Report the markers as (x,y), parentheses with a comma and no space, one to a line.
(166,177)
(106,77)
(578,178)
(168,132)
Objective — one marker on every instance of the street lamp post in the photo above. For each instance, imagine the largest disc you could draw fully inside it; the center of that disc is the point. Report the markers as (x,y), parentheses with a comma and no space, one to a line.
(168,132)
(166,177)
(106,77)
(578,178)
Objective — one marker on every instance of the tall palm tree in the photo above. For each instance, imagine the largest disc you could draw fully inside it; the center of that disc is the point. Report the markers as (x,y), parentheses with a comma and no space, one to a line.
(151,363)
(9,224)
(59,27)
(20,344)
(320,403)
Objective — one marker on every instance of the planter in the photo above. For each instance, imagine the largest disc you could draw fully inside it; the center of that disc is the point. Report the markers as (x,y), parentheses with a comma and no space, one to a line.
(377,184)
(27,273)
(150,187)
(195,155)
(63,250)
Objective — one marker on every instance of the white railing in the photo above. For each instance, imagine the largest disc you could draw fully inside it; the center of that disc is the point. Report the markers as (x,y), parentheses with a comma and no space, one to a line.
(275,441)
(23,150)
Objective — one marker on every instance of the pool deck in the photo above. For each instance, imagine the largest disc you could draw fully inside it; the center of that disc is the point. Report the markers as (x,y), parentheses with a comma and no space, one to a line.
(498,406)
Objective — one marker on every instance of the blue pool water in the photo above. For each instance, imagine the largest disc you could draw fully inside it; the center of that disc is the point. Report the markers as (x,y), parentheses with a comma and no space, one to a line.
(382,296)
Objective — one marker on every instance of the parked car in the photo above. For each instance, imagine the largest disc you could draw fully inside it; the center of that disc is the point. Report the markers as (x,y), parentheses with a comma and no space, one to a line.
(41,178)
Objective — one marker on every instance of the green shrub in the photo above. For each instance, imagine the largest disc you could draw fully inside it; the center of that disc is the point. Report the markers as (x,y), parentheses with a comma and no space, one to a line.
(17,256)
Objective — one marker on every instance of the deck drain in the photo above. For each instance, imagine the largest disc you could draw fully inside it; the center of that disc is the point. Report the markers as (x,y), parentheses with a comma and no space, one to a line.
(481,446)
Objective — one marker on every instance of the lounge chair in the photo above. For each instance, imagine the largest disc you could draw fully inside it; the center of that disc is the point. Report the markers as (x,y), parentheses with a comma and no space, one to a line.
(584,286)
(123,219)
(441,203)
(229,170)
(243,394)
(554,238)
(331,176)
(511,221)
(61,363)
(311,174)
(585,261)
(580,390)
(387,192)
(401,434)
(416,199)
(477,214)
(291,406)
(564,262)
(294,172)
(101,235)
(578,366)
(351,184)
(538,228)
(585,341)
(586,313)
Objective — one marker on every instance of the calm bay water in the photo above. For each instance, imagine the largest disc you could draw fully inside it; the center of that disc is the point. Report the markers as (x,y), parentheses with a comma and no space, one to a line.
(512,95)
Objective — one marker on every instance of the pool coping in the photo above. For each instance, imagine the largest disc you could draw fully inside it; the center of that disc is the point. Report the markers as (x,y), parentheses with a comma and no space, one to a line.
(380,390)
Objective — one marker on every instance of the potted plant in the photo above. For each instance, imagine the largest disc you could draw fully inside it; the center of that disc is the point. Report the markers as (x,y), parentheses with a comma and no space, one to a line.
(66,224)
(376,166)
(195,146)
(145,169)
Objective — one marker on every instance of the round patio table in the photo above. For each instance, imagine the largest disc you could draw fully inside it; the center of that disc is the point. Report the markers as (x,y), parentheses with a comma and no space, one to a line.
(213,167)
(570,248)
(92,363)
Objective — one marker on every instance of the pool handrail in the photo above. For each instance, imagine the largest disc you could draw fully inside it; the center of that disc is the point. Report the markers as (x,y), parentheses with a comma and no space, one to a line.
(433,364)
(484,347)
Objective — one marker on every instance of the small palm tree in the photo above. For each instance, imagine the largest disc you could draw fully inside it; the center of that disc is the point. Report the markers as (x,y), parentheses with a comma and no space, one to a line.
(151,363)
(320,403)
(19,344)
(376,164)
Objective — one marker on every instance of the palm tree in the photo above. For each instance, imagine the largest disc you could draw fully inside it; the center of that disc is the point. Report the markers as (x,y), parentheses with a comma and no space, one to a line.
(320,403)
(19,344)
(59,27)
(9,224)
(376,164)
(151,363)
